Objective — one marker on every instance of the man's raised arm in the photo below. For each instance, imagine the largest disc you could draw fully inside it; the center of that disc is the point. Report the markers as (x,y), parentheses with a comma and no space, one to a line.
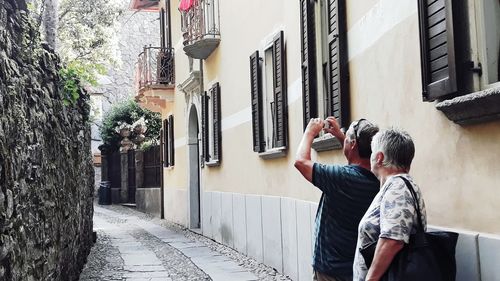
(303,161)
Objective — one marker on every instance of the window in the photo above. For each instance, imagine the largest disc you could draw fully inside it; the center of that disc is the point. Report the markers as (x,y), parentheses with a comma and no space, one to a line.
(488,14)
(269,99)
(460,48)
(168,142)
(325,79)
(211,126)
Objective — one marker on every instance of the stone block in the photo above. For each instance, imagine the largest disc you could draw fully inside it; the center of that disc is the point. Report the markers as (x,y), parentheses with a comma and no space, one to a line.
(271,229)
(304,238)
(467,256)
(239,223)
(226,226)
(216,216)
(489,256)
(289,237)
(206,216)
(254,227)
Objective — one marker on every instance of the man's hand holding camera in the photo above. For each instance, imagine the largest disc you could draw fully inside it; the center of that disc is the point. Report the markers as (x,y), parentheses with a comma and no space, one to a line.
(333,128)
(329,125)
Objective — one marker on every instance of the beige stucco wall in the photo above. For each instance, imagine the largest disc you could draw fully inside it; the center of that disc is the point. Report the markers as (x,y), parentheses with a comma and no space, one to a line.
(456,167)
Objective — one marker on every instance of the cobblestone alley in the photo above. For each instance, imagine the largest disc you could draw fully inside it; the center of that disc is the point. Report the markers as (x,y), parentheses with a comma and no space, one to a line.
(134,246)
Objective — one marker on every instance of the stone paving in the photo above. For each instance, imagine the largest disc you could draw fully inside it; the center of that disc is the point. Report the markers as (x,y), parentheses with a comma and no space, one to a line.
(133,246)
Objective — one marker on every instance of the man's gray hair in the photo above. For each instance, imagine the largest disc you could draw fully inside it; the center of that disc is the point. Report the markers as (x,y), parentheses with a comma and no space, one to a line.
(397,147)
(364,134)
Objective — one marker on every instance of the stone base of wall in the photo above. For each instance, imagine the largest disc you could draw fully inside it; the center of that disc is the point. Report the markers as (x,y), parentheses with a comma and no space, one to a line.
(176,205)
(148,200)
(278,231)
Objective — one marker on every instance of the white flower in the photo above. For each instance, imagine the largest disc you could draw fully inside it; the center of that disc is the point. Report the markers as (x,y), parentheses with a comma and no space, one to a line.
(121,126)
(140,123)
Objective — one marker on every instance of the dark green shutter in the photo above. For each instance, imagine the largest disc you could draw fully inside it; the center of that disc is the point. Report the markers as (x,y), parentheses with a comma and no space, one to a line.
(217,121)
(259,143)
(205,140)
(165,143)
(337,98)
(171,145)
(280,93)
(308,55)
(445,47)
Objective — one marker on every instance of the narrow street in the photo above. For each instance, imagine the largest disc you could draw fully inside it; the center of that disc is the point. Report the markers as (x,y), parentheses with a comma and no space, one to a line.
(134,246)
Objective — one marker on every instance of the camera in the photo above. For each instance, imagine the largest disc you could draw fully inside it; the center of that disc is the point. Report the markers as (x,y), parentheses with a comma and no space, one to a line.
(326,124)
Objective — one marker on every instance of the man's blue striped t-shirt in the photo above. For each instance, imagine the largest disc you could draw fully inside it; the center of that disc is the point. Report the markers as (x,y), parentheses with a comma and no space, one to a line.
(347,193)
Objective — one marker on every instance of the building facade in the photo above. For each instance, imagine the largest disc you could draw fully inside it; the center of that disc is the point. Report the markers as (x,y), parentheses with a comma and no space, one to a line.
(248,75)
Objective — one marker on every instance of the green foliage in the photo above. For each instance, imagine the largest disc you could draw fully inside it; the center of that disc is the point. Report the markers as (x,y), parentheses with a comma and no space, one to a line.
(70,86)
(128,112)
(147,145)
(87,30)
(74,75)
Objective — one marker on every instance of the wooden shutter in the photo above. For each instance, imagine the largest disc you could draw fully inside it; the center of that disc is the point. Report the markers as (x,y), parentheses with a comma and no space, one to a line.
(259,143)
(165,143)
(162,141)
(308,48)
(217,122)
(280,94)
(437,39)
(337,97)
(171,144)
(205,140)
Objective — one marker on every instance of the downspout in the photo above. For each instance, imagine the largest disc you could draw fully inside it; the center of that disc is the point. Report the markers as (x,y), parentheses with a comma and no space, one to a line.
(202,87)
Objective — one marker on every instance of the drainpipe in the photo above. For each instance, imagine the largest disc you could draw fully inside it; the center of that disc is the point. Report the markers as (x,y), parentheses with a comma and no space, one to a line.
(202,87)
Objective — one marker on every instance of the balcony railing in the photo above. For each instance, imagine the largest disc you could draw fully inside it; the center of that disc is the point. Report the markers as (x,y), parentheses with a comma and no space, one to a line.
(155,67)
(200,28)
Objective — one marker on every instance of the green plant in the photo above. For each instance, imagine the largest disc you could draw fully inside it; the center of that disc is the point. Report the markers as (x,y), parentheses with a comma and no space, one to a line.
(73,75)
(148,145)
(128,112)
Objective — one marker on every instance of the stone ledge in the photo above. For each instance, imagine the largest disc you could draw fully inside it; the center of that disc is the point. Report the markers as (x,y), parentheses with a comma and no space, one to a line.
(478,107)
(325,143)
(273,153)
(213,163)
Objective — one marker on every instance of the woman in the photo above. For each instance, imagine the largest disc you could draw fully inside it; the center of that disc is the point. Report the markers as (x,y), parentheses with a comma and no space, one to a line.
(391,217)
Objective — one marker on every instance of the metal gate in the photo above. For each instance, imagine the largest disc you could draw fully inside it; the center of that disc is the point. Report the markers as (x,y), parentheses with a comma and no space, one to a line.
(152,167)
(114,169)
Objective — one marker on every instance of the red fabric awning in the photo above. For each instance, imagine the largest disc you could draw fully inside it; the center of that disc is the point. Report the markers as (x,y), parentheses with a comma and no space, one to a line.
(185,5)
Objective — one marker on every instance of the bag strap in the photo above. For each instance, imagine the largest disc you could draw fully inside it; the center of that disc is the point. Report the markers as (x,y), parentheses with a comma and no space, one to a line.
(416,204)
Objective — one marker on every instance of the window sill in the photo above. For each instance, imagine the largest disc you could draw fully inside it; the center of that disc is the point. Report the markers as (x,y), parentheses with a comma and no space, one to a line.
(478,107)
(326,142)
(212,163)
(273,153)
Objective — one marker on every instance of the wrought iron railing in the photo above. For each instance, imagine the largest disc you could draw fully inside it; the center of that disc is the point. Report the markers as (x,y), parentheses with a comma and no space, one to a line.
(155,67)
(201,21)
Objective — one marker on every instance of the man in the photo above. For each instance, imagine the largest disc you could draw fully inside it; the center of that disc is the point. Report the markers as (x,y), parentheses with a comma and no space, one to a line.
(348,191)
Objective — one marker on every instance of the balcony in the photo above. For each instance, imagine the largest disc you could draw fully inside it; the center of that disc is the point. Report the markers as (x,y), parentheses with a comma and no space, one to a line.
(144,5)
(200,28)
(155,75)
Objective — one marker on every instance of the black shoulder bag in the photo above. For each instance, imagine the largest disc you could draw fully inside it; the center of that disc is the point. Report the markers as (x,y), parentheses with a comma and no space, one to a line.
(428,256)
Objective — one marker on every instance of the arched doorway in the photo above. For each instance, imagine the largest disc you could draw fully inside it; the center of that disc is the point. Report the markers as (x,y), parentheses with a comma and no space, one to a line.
(194,170)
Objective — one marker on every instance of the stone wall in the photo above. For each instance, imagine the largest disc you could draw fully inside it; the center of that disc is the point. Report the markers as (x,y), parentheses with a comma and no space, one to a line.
(46,175)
